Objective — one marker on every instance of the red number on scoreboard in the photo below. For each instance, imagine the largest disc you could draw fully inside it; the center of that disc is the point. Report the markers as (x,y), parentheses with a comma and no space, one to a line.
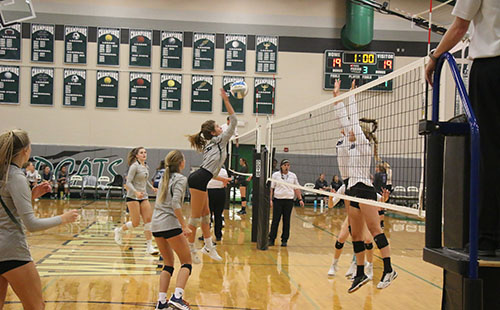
(388,64)
(336,62)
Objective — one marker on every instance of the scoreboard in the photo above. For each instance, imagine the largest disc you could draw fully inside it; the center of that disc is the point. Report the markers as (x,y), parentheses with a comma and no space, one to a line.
(362,66)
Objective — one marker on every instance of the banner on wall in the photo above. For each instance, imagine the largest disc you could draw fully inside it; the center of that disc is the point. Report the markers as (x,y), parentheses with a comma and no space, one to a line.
(266,53)
(9,84)
(42,86)
(235,102)
(75,44)
(140,91)
(140,47)
(107,89)
(203,51)
(10,42)
(108,46)
(74,88)
(170,92)
(201,93)
(235,52)
(42,43)
(264,95)
(171,49)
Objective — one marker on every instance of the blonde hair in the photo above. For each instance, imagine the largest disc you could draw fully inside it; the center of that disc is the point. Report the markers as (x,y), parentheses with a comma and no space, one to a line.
(370,133)
(173,161)
(12,143)
(131,158)
(199,140)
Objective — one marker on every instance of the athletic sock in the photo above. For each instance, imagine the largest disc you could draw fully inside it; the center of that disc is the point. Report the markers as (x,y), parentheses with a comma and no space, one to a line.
(162,297)
(360,270)
(208,243)
(178,292)
(387,265)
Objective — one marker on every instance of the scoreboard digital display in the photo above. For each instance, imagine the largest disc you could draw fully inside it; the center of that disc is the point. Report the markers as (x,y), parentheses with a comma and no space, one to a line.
(362,66)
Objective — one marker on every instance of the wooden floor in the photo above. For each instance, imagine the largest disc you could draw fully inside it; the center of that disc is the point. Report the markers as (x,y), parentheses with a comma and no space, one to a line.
(82,268)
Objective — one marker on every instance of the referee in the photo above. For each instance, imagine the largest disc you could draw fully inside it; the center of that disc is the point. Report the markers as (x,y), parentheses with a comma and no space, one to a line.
(282,201)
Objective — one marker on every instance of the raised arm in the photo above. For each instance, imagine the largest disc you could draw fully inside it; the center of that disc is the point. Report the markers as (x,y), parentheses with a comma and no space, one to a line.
(233,121)
(339,108)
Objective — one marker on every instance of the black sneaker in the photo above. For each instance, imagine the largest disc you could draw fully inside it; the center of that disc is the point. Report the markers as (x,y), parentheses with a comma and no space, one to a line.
(270,242)
(242,212)
(358,282)
(283,243)
(161,305)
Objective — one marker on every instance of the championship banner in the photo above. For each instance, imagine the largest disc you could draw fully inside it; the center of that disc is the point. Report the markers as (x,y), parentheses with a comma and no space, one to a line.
(9,84)
(42,86)
(107,89)
(201,93)
(235,102)
(140,91)
(264,95)
(203,51)
(74,88)
(10,42)
(42,43)
(140,47)
(171,49)
(170,92)
(108,46)
(235,52)
(266,53)
(75,44)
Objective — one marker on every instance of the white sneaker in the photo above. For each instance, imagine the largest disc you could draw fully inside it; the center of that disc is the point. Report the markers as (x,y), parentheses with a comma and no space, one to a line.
(212,253)
(194,256)
(369,270)
(118,236)
(387,279)
(151,250)
(351,272)
(333,270)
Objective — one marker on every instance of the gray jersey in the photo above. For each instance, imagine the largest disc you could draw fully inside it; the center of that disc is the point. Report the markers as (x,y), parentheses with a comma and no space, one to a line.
(16,195)
(164,217)
(214,153)
(137,180)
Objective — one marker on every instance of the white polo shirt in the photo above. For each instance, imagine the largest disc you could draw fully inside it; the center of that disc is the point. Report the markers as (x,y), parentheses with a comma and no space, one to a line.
(214,184)
(282,191)
(485,17)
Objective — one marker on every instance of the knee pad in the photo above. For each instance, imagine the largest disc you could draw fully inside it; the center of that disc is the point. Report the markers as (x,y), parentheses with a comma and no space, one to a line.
(168,269)
(381,212)
(358,246)
(129,225)
(339,245)
(188,266)
(381,241)
(243,199)
(205,219)
(369,246)
(195,221)
(147,226)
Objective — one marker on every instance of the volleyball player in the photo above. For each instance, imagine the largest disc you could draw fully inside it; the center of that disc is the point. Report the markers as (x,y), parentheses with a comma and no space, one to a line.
(212,142)
(243,183)
(359,185)
(16,265)
(170,230)
(137,198)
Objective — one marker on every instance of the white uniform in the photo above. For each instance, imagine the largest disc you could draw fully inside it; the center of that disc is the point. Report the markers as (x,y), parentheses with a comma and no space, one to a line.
(282,191)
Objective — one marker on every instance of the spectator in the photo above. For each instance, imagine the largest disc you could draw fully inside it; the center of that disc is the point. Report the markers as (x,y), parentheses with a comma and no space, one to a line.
(31,174)
(336,183)
(47,177)
(380,178)
(484,92)
(62,185)
(321,184)
(158,174)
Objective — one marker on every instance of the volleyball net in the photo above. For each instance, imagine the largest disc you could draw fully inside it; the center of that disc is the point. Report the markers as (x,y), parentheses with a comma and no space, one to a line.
(311,139)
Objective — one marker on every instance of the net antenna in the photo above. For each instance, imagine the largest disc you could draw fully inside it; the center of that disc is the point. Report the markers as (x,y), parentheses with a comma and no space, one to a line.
(15,11)
(417,19)
(309,138)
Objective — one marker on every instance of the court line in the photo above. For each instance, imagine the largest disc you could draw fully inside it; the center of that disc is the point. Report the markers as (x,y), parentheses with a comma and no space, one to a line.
(139,304)
(374,255)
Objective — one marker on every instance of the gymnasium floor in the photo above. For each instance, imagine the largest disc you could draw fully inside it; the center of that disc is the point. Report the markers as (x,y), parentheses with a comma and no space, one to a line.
(82,268)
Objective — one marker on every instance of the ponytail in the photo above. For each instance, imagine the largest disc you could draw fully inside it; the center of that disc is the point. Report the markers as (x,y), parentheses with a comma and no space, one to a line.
(11,143)
(370,134)
(199,140)
(173,161)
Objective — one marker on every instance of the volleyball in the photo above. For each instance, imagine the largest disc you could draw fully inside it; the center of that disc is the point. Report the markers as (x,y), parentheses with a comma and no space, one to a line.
(239,89)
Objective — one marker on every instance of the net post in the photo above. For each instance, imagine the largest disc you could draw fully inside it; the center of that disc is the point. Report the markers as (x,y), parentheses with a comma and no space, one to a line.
(260,199)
